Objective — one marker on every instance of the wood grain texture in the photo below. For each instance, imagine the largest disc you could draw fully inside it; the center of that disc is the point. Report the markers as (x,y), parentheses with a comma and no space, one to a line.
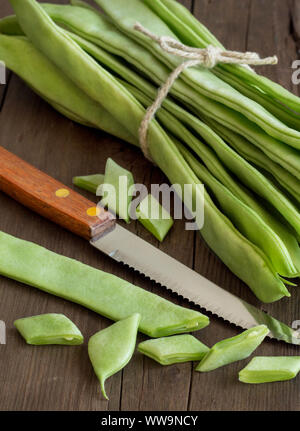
(59,378)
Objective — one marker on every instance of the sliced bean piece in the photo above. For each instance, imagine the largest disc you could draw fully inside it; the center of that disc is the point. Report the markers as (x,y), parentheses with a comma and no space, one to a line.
(111,349)
(173,350)
(264,369)
(117,198)
(99,291)
(233,349)
(89,182)
(154,217)
(49,329)
(10,26)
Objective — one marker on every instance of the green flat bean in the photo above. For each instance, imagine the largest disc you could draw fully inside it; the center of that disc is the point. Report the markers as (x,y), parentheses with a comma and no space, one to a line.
(99,291)
(256,156)
(154,217)
(246,220)
(280,153)
(75,63)
(254,179)
(233,349)
(173,350)
(89,182)
(68,114)
(190,22)
(111,349)
(49,329)
(265,369)
(47,80)
(81,3)
(276,108)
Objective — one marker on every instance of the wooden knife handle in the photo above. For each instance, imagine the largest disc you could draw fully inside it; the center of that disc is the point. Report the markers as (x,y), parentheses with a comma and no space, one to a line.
(50,198)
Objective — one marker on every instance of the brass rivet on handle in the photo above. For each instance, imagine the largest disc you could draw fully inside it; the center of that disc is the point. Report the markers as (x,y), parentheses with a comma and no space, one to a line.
(62,193)
(93,211)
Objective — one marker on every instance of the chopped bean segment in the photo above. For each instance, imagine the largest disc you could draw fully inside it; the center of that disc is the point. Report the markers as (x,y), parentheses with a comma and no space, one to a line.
(154,217)
(233,349)
(270,369)
(117,198)
(111,349)
(172,350)
(49,329)
(89,182)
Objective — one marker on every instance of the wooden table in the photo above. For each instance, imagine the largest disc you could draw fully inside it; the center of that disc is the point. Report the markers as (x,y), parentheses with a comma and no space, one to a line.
(62,378)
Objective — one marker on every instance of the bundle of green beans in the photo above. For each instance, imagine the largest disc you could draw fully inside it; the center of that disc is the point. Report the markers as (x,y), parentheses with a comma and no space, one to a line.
(229,128)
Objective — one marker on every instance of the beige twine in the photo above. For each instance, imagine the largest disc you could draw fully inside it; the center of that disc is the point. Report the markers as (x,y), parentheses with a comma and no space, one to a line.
(208,57)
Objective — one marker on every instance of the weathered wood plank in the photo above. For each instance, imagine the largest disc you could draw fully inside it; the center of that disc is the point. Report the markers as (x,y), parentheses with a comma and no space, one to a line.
(227,19)
(187,3)
(269,34)
(60,378)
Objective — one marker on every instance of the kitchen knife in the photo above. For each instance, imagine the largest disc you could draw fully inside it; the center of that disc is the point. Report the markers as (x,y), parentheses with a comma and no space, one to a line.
(62,205)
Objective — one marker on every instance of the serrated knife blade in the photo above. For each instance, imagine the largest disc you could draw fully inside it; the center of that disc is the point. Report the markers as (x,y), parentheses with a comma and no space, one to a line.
(125,247)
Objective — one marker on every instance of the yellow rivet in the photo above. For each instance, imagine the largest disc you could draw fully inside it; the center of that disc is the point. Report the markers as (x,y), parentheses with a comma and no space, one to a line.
(93,211)
(62,193)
